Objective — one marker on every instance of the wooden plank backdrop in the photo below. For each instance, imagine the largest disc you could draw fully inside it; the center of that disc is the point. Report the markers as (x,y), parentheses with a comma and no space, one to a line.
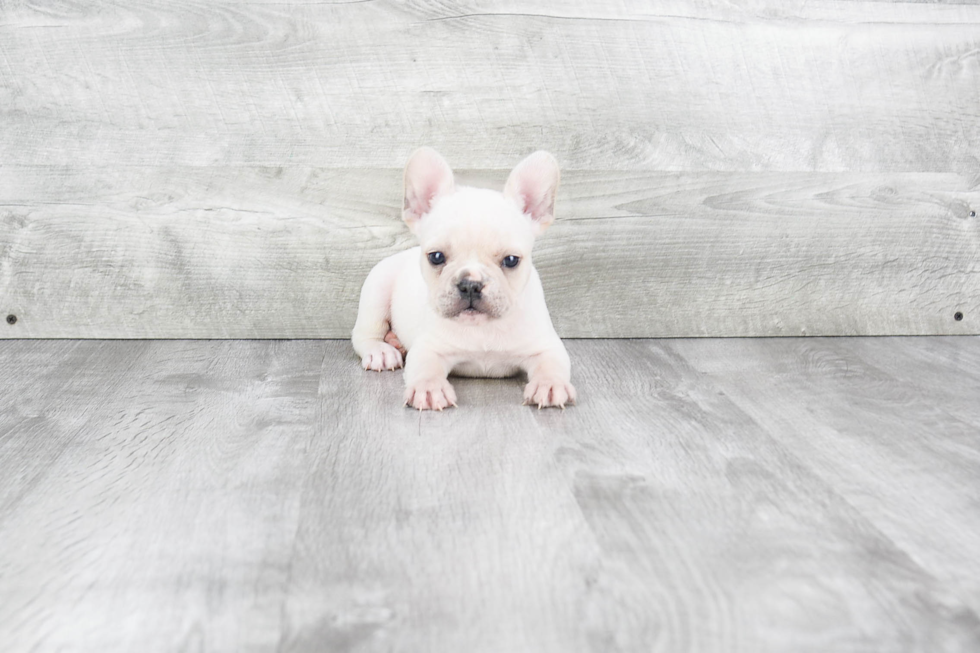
(219,169)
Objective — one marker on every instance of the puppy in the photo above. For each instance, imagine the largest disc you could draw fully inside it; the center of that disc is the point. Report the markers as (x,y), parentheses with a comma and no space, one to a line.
(468,300)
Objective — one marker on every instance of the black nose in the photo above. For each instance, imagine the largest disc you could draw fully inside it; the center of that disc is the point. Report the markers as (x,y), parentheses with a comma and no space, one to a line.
(469,289)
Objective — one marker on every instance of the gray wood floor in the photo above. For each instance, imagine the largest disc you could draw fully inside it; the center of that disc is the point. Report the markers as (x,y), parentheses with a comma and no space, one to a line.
(706,495)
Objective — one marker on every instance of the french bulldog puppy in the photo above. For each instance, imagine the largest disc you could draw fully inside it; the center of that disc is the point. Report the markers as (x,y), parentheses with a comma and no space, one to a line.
(467,301)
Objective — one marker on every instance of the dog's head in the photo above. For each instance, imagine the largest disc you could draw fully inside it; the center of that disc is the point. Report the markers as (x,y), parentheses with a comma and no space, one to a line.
(476,243)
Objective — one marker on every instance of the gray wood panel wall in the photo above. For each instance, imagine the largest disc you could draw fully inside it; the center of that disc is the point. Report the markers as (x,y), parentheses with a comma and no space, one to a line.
(232,169)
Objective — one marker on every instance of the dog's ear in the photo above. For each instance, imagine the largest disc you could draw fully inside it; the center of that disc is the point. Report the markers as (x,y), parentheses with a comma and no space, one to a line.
(532,185)
(427,177)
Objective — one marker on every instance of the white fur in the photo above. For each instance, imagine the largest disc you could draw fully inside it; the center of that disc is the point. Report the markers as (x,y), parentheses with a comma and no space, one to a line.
(420,303)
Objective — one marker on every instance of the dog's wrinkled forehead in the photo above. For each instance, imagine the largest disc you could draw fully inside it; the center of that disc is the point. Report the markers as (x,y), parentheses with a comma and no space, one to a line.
(476,217)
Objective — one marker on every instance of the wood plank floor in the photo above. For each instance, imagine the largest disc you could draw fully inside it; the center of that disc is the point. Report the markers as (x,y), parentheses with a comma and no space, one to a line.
(705,495)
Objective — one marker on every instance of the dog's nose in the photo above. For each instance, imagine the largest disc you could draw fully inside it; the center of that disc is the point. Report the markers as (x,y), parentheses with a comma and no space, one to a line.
(469,289)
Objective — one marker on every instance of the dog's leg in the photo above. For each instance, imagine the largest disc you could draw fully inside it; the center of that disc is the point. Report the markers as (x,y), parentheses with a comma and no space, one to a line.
(549,378)
(426,382)
(373,319)
(393,340)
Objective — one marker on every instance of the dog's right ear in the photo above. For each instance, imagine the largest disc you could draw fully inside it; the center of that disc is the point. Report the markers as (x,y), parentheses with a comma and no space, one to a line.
(427,177)
(532,186)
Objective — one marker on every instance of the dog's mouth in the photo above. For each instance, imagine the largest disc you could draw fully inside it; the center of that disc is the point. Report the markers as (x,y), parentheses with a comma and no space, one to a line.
(471,312)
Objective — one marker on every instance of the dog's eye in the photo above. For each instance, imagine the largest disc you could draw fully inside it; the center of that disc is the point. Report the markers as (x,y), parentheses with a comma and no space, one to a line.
(437,258)
(510,261)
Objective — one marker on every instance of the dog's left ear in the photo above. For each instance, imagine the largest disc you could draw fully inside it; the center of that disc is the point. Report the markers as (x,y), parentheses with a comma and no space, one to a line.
(532,185)
(427,178)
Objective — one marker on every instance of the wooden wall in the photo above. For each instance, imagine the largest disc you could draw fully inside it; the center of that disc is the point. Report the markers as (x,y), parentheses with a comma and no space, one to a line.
(219,168)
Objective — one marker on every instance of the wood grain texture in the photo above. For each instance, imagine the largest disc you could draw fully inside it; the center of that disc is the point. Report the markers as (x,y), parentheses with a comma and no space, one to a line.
(820,85)
(282,252)
(929,462)
(705,495)
(174,478)
(230,169)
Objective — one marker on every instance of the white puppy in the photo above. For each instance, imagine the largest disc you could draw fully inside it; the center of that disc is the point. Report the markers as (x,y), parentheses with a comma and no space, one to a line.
(467,301)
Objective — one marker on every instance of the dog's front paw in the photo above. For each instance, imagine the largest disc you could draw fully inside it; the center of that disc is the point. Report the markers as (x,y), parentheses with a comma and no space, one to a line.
(545,392)
(381,356)
(430,395)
